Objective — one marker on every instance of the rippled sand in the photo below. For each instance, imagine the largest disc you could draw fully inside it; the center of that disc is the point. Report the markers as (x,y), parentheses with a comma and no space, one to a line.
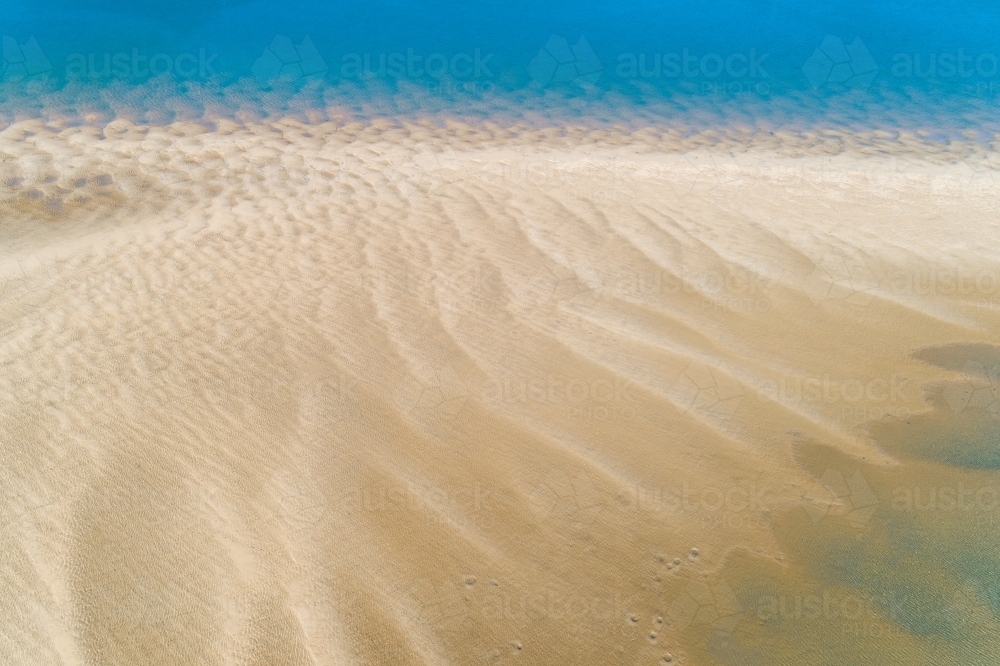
(438,393)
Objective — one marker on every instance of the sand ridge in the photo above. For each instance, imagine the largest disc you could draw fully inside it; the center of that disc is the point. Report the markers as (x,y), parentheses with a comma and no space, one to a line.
(445,393)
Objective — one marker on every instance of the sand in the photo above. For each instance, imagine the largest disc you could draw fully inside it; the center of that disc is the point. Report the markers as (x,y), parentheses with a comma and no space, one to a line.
(418,393)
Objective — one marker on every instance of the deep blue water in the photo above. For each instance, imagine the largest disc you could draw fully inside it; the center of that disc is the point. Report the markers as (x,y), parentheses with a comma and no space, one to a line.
(867,63)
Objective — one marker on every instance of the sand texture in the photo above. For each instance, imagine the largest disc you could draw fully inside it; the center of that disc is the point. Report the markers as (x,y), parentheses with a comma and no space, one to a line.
(391,393)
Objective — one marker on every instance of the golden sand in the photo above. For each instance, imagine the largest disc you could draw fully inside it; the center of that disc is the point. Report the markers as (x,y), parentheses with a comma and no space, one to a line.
(383,393)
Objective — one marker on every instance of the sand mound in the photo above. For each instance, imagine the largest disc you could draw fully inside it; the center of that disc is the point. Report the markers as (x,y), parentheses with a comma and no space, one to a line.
(288,393)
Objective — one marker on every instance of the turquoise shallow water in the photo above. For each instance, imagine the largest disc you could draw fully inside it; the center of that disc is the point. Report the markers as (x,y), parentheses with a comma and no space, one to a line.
(931,65)
(908,571)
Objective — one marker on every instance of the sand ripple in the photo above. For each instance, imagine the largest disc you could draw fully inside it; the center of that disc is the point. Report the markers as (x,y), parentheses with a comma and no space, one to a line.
(387,393)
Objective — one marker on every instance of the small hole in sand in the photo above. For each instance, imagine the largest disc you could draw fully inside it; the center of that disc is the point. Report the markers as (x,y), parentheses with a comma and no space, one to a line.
(469,580)
(104,180)
(694,554)
(14,182)
(79,182)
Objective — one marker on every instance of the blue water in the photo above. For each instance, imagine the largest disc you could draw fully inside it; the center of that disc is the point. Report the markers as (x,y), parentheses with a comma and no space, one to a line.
(929,64)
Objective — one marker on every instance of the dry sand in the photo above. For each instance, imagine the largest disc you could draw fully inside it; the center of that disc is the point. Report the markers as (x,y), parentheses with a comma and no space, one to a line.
(384,393)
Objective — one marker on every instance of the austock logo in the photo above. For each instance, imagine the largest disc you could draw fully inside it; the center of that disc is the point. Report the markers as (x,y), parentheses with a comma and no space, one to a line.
(416,66)
(834,63)
(850,497)
(843,277)
(434,395)
(21,61)
(708,390)
(285,61)
(564,497)
(455,606)
(689,65)
(138,65)
(979,391)
(859,613)
(572,496)
(714,606)
(558,62)
(702,604)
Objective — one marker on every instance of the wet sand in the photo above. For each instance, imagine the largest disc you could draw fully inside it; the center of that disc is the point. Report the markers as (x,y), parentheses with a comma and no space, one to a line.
(446,393)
